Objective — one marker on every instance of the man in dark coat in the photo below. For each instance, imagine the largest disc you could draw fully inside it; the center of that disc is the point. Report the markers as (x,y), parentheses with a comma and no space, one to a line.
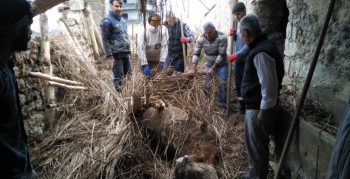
(16,19)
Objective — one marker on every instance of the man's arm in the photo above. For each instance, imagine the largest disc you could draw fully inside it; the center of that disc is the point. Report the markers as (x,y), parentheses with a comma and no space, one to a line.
(196,55)
(164,45)
(106,28)
(242,53)
(266,71)
(221,49)
(141,48)
(188,33)
(197,50)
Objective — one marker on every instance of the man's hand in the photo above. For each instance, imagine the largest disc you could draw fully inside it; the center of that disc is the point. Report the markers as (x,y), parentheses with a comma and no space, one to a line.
(232,58)
(147,70)
(110,62)
(211,71)
(192,72)
(262,116)
(184,39)
(233,32)
(161,65)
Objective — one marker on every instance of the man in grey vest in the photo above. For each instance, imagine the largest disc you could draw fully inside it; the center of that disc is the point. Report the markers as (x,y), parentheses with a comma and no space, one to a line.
(261,84)
(116,42)
(175,54)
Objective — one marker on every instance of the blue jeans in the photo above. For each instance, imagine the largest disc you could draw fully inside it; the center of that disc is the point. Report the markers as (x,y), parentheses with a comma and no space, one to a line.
(222,72)
(239,72)
(177,63)
(121,67)
(340,160)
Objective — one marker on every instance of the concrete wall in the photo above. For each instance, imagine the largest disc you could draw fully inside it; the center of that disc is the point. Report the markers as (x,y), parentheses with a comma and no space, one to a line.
(331,80)
(309,152)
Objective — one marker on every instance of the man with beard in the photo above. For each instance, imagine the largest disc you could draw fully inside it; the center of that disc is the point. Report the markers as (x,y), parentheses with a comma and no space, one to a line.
(15,34)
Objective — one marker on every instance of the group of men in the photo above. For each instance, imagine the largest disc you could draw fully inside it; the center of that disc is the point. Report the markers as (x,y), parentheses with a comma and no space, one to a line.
(159,46)
(259,68)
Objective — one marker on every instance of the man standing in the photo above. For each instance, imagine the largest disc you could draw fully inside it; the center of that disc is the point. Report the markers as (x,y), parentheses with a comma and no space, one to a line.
(261,84)
(153,47)
(175,53)
(214,44)
(116,42)
(15,33)
(242,50)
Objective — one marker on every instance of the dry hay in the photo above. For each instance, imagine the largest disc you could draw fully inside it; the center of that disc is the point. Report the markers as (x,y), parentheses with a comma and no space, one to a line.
(96,135)
(312,111)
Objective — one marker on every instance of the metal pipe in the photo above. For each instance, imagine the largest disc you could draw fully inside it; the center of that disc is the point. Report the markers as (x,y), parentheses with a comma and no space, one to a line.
(305,88)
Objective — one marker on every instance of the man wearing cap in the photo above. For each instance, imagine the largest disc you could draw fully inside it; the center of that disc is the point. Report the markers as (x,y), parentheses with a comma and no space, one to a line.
(116,42)
(153,47)
(15,34)
(175,53)
(214,44)
(242,50)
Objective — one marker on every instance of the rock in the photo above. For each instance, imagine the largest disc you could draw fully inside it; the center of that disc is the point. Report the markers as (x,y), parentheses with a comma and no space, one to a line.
(185,169)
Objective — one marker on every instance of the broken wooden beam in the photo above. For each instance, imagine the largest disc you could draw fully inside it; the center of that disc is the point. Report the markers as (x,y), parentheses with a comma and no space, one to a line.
(52,78)
(52,83)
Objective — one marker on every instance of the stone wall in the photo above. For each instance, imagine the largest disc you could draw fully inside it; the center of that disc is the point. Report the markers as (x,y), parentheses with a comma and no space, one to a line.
(31,90)
(331,80)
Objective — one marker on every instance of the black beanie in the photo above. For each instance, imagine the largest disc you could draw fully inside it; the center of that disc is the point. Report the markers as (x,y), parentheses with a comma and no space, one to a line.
(14,15)
(238,7)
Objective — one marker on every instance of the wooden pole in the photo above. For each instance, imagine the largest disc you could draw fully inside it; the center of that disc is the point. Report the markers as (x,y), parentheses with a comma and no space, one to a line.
(49,92)
(64,31)
(76,43)
(183,45)
(89,19)
(233,24)
(52,83)
(132,35)
(52,78)
(98,37)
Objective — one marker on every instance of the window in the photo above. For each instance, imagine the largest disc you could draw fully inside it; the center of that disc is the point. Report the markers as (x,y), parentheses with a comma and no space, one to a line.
(125,16)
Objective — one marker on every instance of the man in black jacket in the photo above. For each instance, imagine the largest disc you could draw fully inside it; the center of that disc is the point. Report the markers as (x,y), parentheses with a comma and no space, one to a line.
(16,19)
(261,84)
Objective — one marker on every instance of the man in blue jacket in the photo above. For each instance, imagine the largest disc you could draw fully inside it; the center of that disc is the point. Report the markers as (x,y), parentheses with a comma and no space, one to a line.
(242,50)
(116,42)
(16,19)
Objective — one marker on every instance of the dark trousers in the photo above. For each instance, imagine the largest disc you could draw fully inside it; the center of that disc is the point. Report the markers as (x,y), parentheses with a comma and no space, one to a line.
(239,72)
(121,67)
(177,62)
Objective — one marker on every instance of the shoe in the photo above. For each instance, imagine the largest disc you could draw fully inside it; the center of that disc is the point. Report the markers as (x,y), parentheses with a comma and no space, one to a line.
(243,175)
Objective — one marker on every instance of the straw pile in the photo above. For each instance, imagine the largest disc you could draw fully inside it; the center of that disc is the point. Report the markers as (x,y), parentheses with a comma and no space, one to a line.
(96,135)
